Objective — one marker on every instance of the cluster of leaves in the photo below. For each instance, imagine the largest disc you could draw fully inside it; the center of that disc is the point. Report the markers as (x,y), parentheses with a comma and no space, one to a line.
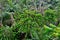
(50,16)
(31,25)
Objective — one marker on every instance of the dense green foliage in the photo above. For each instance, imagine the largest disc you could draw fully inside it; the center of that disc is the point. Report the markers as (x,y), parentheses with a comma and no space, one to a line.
(30,24)
(33,25)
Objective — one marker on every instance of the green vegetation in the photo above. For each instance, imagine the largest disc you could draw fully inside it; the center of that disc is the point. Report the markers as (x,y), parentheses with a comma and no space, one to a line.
(19,22)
